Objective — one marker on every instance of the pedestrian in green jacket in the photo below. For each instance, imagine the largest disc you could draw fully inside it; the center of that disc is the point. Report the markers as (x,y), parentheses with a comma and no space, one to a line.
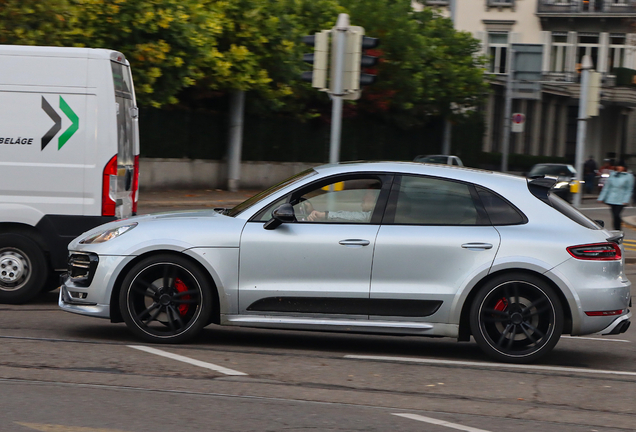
(617,192)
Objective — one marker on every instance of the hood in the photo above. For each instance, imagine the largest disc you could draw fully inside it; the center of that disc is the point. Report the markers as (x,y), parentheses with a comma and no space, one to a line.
(173,231)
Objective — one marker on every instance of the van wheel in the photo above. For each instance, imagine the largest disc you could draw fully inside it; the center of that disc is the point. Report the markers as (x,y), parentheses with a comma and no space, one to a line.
(23,268)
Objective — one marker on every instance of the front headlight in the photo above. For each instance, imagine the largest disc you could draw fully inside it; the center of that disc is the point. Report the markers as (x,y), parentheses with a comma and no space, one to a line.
(110,234)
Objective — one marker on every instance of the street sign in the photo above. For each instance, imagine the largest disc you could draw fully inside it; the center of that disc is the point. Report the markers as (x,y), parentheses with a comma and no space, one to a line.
(518,122)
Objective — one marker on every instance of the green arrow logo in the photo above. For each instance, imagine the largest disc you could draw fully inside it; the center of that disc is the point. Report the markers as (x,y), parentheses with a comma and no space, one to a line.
(68,133)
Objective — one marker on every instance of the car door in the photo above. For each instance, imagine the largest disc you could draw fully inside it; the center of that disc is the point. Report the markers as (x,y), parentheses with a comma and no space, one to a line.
(320,264)
(435,237)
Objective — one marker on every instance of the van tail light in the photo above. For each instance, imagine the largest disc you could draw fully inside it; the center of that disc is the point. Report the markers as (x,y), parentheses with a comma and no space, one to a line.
(109,182)
(135,185)
(596,252)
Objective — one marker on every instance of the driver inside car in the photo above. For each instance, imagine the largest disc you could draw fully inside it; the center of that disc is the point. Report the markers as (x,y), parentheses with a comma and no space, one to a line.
(337,215)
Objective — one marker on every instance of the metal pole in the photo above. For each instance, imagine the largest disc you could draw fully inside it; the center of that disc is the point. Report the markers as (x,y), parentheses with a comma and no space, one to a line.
(581,130)
(340,36)
(237,103)
(448,127)
(505,141)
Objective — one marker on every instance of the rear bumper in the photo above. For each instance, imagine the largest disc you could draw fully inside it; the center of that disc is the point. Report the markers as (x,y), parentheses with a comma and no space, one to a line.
(618,326)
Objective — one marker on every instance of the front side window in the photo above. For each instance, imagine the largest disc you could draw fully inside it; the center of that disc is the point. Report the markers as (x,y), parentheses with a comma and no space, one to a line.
(341,201)
(432,201)
(498,50)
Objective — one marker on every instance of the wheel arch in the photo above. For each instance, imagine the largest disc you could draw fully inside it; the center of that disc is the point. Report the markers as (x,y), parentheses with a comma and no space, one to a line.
(28,231)
(115,312)
(464,318)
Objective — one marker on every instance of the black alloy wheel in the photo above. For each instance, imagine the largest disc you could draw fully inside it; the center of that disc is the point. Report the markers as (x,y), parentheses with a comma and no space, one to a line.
(516,318)
(165,299)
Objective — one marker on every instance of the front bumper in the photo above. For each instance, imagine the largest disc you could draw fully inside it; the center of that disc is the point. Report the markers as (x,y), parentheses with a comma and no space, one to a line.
(92,295)
(68,303)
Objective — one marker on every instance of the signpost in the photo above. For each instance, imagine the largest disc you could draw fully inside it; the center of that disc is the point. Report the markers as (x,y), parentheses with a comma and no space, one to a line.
(518,122)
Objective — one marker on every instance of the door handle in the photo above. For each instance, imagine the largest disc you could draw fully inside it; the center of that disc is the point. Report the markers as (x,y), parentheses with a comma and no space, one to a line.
(477,246)
(354,242)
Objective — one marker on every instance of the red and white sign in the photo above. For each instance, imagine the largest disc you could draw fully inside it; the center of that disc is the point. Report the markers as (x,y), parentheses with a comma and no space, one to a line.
(518,122)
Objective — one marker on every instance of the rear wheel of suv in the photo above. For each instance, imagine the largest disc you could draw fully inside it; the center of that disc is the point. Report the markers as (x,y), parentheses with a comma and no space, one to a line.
(516,318)
(23,268)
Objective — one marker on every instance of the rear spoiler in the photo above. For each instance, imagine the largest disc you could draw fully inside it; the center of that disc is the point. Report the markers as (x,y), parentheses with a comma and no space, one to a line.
(540,186)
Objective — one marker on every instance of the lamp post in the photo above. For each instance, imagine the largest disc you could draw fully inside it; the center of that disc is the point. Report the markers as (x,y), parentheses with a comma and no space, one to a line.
(581,130)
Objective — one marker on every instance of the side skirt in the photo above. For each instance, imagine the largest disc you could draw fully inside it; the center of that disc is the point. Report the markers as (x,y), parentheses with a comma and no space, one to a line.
(342,325)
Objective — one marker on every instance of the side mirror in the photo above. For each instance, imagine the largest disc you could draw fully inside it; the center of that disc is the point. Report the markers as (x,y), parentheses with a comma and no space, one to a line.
(281,214)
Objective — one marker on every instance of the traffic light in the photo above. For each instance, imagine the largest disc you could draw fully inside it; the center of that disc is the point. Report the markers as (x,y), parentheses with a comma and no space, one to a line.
(318,76)
(368,60)
(356,60)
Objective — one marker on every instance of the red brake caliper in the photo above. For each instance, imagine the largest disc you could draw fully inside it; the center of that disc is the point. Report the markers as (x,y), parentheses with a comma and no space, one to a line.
(181,287)
(501,305)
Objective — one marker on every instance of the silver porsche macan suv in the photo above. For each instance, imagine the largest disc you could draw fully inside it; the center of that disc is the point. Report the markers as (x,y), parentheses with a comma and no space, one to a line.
(384,248)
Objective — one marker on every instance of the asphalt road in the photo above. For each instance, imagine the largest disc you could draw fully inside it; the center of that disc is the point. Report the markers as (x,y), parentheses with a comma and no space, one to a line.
(66,373)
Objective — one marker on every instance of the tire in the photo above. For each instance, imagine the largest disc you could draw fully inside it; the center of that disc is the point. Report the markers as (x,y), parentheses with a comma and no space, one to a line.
(23,268)
(516,318)
(165,299)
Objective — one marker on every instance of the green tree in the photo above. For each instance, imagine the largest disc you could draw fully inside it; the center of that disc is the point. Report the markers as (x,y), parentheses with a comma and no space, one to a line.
(426,67)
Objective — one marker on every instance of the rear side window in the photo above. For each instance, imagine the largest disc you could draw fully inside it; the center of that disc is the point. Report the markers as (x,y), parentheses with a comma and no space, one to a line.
(432,201)
(500,211)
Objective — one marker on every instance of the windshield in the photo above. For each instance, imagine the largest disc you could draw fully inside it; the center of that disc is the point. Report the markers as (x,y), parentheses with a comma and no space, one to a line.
(240,208)
(552,170)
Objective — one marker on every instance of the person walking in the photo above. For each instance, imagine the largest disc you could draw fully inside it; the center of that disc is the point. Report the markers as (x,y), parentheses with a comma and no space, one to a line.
(589,174)
(617,192)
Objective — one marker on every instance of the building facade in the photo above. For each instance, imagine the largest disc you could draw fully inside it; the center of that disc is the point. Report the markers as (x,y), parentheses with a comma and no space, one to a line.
(567,30)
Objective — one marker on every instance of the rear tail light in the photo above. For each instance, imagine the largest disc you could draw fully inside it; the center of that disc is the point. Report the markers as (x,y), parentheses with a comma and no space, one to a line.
(135,185)
(596,252)
(109,182)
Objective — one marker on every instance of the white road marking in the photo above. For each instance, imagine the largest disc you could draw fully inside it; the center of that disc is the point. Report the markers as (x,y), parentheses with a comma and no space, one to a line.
(45,427)
(595,339)
(492,365)
(439,422)
(194,362)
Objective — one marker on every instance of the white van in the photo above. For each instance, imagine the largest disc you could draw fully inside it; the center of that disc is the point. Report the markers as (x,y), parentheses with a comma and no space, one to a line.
(69,157)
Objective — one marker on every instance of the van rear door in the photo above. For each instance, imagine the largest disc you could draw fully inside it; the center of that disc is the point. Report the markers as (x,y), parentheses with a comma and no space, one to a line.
(124,189)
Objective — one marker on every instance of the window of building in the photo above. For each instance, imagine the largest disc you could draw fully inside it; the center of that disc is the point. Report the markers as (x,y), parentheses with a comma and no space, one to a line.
(558,52)
(504,3)
(588,44)
(616,51)
(498,51)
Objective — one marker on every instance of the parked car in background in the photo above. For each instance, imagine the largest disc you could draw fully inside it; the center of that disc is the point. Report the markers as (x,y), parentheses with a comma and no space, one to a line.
(395,248)
(439,159)
(565,175)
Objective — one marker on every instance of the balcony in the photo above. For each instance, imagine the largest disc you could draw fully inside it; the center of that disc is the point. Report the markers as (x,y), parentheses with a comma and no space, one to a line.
(586,8)
(607,79)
